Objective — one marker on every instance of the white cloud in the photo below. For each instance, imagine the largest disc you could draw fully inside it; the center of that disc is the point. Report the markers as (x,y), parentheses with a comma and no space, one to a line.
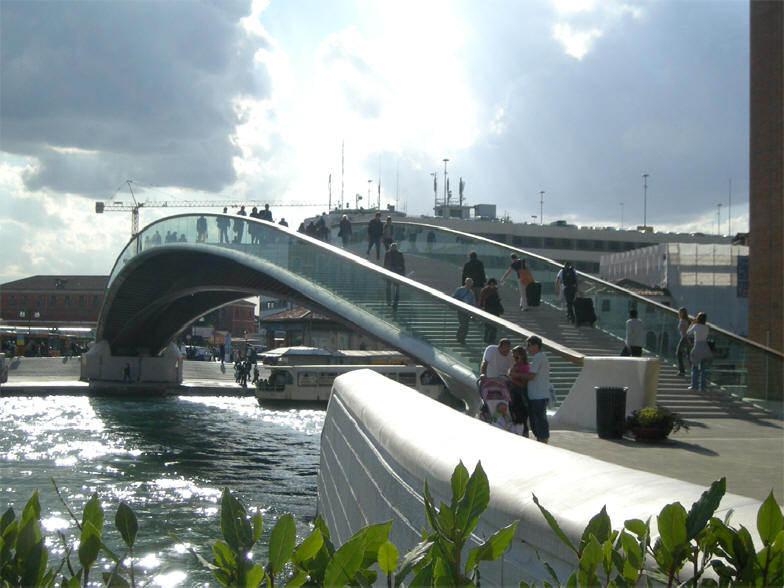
(576,43)
(210,99)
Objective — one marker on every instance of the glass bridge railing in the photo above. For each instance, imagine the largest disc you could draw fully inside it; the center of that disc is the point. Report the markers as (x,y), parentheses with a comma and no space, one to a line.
(405,306)
(739,366)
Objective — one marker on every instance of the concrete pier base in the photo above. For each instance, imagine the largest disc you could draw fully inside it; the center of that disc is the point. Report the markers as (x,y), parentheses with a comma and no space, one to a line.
(639,375)
(99,366)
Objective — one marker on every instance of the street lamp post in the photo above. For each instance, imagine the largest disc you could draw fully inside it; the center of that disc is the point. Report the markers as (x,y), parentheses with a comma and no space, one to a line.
(446,197)
(541,207)
(645,201)
(369,182)
(435,191)
(718,223)
(621,215)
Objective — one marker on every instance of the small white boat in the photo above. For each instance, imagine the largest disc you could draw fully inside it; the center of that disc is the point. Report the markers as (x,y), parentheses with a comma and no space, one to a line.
(313,383)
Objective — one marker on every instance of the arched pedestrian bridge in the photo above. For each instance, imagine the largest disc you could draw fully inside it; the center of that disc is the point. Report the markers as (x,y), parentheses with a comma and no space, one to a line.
(157,288)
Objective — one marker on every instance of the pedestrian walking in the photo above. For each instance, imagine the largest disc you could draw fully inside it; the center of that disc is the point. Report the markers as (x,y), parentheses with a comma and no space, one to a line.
(635,333)
(465,294)
(701,353)
(490,301)
(394,262)
(474,269)
(374,231)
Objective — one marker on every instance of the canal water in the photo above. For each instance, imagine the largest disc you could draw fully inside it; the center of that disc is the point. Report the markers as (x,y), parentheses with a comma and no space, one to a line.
(169,460)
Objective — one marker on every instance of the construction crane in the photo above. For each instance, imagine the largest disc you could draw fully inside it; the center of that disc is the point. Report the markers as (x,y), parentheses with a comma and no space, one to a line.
(120,206)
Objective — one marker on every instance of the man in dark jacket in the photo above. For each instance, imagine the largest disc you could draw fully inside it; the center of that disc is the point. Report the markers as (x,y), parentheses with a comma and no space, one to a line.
(475,270)
(374,231)
(394,262)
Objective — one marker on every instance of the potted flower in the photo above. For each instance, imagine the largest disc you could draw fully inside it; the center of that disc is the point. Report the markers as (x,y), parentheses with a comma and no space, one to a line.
(652,424)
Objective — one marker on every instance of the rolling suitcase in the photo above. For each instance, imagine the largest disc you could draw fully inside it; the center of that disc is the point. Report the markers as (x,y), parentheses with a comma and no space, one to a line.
(533,293)
(583,311)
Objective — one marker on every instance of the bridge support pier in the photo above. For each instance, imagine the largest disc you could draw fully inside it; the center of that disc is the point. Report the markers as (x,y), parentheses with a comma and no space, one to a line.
(100,366)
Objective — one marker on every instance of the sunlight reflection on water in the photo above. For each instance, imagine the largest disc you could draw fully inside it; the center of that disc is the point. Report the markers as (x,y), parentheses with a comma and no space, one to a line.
(168,458)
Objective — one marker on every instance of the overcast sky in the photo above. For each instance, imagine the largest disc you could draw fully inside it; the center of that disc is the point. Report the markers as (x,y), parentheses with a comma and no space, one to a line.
(216,100)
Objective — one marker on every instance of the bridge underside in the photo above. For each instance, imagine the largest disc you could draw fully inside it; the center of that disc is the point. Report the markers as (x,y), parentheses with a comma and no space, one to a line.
(161,292)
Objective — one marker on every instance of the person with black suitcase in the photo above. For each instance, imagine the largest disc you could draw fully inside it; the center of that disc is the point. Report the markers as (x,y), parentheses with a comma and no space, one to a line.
(567,278)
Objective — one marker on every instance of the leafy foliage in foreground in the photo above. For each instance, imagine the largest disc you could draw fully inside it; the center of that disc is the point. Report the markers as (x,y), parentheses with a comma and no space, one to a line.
(689,545)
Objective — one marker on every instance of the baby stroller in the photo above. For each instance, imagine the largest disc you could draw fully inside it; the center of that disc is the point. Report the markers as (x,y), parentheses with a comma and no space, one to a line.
(492,391)
(495,391)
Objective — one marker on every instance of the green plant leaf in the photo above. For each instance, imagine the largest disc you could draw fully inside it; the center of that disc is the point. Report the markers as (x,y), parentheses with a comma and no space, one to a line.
(591,556)
(258,524)
(321,525)
(430,511)
(638,527)
(474,501)
(778,542)
(424,577)
(111,580)
(491,549)
(9,516)
(702,510)
(458,482)
(34,565)
(28,535)
(281,543)
(554,525)
(413,558)
(769,520)
(254,576)
(223,556)
(125,521)
(297,580)
(89,545)
(599,526)
(32,509)
(672,526)
(374,537)
(446,516)
(309,546)
(387,557)
(631,549)
(235,527)
(93,514)
(346,562)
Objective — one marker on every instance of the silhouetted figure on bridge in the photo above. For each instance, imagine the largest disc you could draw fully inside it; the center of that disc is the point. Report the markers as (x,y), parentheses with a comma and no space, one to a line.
(223,227)
(239,224)
(201,229)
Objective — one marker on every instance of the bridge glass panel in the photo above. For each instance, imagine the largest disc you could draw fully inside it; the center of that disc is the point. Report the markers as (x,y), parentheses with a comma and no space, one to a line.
(739,366)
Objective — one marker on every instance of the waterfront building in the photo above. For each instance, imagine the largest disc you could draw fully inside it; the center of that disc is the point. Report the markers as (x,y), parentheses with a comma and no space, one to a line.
(52,301)
(711,278)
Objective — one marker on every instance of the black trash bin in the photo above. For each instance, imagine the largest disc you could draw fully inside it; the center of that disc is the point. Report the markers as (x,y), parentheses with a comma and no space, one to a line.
(610,411)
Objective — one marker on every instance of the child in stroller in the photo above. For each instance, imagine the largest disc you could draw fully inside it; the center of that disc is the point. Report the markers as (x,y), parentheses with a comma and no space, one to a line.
(495,404)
